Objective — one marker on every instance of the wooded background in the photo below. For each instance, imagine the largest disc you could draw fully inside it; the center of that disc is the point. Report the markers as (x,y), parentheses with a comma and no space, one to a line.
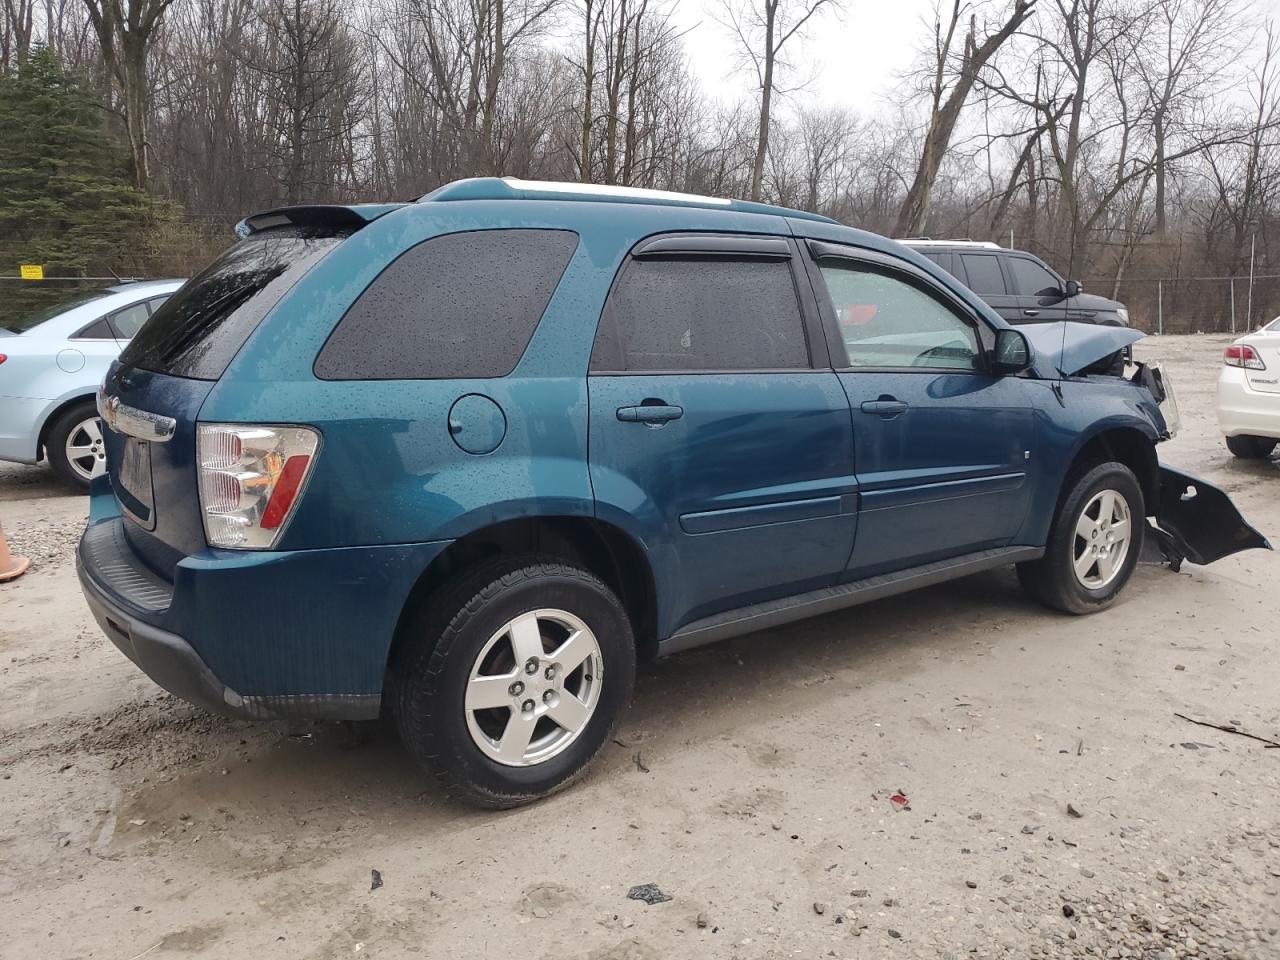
(1133,144)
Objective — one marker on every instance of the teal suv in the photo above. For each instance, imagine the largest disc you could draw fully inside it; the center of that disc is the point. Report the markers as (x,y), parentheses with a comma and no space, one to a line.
(466,459)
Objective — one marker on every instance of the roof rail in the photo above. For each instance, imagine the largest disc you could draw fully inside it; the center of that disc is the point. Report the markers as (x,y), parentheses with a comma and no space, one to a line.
(512,188)
(961,242)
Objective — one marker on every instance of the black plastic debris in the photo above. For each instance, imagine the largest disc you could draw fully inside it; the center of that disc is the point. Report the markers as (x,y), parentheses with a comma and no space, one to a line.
(648,892)
(377,880)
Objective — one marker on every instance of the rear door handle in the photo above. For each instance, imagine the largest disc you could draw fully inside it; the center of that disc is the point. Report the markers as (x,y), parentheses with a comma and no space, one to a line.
(886,407)
(650,413)
(1031,313)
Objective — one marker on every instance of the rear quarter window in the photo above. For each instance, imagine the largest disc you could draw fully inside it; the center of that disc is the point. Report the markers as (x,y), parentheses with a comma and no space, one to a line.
(202,326)
(460,305)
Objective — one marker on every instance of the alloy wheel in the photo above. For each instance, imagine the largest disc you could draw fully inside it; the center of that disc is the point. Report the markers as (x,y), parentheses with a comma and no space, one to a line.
(1101,544)
(533,687)
(85,450)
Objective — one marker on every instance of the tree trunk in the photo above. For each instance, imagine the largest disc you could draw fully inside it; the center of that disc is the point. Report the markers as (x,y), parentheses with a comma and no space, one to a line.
(589,79)
(766,98)
(1162,222)
(914,214)
(135,109)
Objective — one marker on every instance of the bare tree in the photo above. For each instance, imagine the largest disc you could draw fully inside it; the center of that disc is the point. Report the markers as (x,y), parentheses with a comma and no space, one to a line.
(1180,59)
(952,78)
(126,30)
(17,29)
(761,30)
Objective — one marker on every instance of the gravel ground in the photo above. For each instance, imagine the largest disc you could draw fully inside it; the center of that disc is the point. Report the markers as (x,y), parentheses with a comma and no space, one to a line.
(1048,802)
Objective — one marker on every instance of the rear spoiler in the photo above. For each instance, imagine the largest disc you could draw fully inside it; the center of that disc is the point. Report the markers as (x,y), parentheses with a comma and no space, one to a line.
(321,215)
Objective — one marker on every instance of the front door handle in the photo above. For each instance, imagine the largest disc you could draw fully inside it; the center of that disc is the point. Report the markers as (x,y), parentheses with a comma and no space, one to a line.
(1031,313)
(887,407)
(650,413)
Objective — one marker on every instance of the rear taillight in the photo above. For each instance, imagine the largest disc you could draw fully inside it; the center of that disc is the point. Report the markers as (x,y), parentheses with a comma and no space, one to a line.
(3,358)
(1243,355)
(250,480)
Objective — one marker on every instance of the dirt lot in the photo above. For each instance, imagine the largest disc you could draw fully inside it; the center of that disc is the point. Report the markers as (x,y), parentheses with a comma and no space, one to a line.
(751,781)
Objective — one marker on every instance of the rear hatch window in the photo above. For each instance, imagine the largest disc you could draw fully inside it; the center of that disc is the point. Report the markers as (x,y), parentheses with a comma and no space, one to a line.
(198,330)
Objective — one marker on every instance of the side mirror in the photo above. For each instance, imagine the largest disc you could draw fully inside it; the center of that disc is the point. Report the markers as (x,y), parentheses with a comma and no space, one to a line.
(1073,288)
(1012,353)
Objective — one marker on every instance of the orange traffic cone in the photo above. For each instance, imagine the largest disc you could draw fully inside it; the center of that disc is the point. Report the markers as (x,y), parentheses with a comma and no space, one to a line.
(11,567)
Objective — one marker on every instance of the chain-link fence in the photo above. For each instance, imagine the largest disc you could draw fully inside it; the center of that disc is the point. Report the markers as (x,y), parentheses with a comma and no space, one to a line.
(1195,304)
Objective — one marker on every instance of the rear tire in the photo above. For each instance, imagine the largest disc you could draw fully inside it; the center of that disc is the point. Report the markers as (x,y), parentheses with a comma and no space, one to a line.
(1251,448)
(77,429)
(1091,553)
(499,727)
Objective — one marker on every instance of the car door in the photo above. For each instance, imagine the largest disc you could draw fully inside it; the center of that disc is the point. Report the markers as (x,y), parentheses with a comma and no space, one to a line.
(983,274)
(942,446)
(1041,297)
(717,438)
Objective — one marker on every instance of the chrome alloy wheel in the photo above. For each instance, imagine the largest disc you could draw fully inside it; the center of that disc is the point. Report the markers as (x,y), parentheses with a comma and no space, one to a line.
(533,688)
(85,450)
(1103,534)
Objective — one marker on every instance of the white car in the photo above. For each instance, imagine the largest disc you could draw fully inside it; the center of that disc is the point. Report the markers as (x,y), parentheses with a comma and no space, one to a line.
(1249,393)
(50,367)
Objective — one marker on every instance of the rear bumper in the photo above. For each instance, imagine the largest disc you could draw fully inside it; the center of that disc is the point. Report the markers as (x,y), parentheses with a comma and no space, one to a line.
(254,634)
(165,657)
(20,422)
(1244,411)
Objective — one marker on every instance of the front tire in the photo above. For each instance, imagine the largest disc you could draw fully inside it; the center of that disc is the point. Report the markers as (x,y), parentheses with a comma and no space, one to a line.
(74,445)
(1251,448)
(1094,544)
(517,675)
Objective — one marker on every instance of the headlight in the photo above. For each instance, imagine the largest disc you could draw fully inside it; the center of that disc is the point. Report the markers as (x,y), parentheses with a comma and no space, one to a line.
(1123,314)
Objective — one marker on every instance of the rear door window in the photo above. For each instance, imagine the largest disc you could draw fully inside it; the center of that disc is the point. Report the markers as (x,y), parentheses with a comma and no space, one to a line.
(202,326)
(460,305)
(685,314)
(985,277)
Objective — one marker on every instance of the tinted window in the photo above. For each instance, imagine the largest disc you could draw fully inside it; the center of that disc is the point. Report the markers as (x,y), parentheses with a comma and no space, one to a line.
(690,314)
(129,321)
(205,323)
(1032,279)
(459,305)
(98,330)
(886,322)
(984,273)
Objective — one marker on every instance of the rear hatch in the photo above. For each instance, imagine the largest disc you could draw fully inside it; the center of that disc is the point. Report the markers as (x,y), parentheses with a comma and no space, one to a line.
(1268,347)
(172,364)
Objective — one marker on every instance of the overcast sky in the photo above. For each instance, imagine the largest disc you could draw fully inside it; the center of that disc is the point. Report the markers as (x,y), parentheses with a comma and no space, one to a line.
(857,54)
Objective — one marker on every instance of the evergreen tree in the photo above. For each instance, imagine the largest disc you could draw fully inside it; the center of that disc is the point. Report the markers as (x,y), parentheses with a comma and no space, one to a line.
(66,201)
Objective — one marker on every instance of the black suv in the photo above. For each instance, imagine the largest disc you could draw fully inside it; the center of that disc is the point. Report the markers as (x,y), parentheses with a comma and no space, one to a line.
(1019,286)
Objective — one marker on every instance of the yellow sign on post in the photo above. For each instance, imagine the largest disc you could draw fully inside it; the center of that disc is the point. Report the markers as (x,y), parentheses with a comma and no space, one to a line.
(31,271)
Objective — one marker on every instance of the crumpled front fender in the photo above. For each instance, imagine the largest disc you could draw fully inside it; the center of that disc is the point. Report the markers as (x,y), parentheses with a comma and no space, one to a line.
(1197,521)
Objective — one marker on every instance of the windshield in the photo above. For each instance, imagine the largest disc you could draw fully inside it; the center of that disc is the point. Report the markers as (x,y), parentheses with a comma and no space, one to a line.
(200,328)
(31,304)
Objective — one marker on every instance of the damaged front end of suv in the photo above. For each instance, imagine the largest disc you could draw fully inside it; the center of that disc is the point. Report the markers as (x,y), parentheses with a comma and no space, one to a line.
(1191,519)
